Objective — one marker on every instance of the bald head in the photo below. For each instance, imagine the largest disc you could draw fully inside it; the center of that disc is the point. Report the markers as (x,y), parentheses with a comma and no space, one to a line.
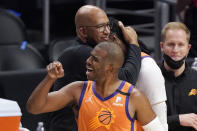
(86,15)
(114,55)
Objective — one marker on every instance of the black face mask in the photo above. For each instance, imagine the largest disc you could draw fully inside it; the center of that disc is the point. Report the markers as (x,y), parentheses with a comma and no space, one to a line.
(173,64)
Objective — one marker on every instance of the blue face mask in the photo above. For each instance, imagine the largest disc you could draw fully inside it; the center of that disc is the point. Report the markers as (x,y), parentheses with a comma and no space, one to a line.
(172,63)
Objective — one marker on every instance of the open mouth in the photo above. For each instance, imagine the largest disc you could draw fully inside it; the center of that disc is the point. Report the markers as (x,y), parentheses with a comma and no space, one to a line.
(89,70)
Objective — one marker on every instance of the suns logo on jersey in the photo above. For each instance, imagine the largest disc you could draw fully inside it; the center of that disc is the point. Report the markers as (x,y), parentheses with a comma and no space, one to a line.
(103,118)
(192,92)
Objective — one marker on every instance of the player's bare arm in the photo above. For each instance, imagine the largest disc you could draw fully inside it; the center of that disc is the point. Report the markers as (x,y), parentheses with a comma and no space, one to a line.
(141,108)
(42,101)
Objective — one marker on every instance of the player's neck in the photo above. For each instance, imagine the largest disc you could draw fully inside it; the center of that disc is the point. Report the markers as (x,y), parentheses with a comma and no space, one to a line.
(106,88)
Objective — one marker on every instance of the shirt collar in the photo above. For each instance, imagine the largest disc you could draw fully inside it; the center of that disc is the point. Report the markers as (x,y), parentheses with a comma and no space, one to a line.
(170,74)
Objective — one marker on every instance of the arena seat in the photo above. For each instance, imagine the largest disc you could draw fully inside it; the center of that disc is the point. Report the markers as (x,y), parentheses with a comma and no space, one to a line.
(12,28)
(20,57)
(57,46)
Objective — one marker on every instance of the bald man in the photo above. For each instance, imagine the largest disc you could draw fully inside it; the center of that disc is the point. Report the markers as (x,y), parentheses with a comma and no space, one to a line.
(92,27)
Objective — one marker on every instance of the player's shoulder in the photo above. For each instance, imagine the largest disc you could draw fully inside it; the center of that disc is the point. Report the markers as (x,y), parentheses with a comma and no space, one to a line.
(137,97)
(75,86)
(136,94)
(149,64)
(148,60)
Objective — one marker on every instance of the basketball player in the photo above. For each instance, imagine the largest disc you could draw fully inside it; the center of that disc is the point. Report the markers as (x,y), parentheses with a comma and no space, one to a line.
(104,103)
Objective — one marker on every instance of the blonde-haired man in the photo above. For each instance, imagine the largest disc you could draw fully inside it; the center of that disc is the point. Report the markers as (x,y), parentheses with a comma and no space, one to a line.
(180,79)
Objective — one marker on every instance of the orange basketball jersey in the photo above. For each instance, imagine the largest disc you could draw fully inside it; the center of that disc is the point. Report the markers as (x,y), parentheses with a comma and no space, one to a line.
(105,114)
(144,55)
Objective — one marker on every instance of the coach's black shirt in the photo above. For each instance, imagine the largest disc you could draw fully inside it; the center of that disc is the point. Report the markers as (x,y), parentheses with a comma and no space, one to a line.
(181,96)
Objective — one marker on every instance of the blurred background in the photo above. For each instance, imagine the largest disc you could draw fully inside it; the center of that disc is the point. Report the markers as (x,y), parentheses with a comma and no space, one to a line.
(47,20)
(30,29)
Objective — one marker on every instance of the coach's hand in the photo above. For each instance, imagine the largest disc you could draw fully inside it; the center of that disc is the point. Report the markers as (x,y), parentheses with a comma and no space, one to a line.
(130,35)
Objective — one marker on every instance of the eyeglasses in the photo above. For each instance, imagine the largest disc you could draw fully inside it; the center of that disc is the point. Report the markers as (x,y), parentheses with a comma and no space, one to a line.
(101,27)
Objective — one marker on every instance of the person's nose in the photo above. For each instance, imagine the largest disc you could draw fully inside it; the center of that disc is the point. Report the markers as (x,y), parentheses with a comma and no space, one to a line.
(175,48)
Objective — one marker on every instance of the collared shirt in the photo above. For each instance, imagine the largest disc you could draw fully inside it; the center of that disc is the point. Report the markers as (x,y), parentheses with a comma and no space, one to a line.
(181,96)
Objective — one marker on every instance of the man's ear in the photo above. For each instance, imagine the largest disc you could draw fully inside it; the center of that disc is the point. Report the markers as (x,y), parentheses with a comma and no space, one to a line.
(161,46)
(110,67)
(82,32)
(189,47)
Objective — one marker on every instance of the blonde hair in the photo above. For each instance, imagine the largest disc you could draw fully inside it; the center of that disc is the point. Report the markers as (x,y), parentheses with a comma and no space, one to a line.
(175,25)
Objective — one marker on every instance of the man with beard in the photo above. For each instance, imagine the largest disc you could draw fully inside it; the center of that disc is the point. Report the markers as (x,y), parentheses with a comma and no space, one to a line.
(105,103)
(92,27)
(180,79)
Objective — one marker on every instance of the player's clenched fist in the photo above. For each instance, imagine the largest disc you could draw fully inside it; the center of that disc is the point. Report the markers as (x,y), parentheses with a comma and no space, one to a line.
(55,70)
